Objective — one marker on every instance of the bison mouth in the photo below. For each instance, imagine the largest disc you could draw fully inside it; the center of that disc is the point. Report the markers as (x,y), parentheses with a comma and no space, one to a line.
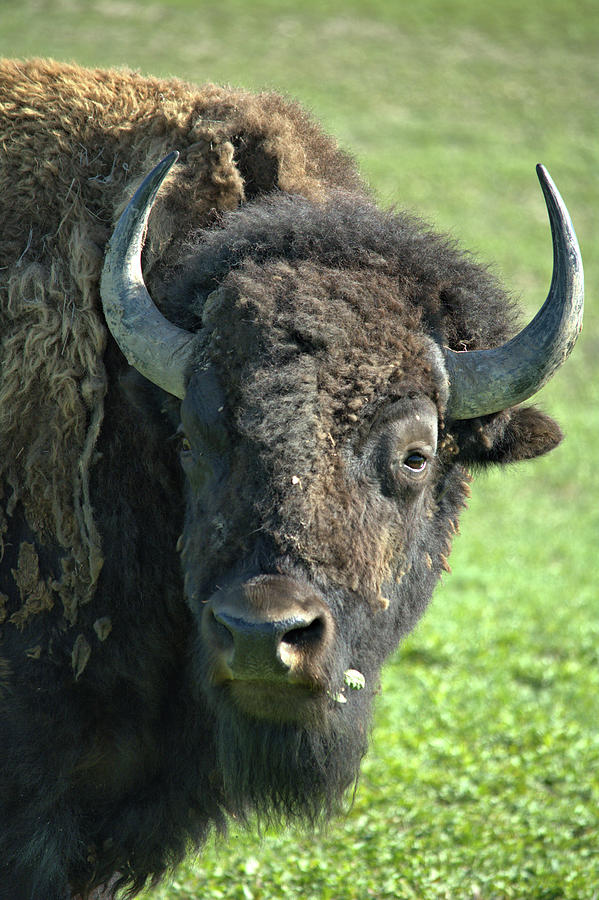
(282,703)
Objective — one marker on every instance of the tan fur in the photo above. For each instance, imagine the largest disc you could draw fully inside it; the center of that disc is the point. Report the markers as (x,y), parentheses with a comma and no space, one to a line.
(34,591)
(74,144)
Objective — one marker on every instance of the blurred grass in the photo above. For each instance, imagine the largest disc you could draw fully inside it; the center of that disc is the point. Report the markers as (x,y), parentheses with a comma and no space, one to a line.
(482,779)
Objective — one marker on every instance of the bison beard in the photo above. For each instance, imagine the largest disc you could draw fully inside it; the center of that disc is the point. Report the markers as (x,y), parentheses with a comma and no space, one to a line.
(286,772)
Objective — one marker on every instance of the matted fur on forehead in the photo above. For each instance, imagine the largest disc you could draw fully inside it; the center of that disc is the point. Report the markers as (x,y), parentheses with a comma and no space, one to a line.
(340,340)
(460,303)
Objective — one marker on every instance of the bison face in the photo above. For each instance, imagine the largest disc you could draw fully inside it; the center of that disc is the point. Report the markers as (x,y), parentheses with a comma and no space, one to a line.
(310,449)
(303,565)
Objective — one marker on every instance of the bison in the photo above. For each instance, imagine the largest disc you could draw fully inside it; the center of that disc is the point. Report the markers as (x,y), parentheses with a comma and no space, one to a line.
(236,432)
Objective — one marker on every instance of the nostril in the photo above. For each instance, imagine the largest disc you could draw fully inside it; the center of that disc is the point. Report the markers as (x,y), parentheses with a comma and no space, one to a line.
(305,635)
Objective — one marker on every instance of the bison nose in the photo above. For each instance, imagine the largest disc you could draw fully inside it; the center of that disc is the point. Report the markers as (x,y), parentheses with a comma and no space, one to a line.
(274,629)
(263,650)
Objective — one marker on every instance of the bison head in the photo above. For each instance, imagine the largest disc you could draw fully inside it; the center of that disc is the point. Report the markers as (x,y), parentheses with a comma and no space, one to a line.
(329,414)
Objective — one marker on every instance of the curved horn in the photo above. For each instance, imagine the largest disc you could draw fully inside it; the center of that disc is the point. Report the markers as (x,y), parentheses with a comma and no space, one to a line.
(161,351)
(487,381)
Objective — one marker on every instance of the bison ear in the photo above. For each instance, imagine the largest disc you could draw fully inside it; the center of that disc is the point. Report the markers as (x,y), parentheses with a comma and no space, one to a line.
(509,436)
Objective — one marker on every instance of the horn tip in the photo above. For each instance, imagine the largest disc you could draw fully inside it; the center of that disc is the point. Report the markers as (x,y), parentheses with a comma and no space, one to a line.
(548,185)
(161,170)
(542,174)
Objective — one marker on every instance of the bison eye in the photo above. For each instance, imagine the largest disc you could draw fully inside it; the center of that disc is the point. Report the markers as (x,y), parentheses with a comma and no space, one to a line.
(415,461)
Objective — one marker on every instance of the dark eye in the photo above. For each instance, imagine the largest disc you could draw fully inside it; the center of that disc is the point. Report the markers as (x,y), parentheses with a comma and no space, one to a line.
(185,445)
(415,461)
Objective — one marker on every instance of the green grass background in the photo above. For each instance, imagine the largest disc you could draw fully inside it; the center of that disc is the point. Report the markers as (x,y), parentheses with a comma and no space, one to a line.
(482,779)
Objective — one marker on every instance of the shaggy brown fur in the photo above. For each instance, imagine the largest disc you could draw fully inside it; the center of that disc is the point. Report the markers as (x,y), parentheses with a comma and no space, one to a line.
(74,143)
